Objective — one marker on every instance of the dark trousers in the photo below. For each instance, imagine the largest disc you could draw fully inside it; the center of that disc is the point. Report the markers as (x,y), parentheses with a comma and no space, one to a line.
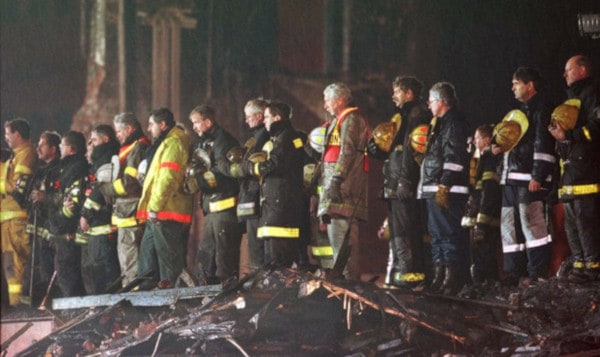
(256,247)
(163,251)
(99,263)
(406,235)
(67,262)
(44,265)
(219,250)
(582,225)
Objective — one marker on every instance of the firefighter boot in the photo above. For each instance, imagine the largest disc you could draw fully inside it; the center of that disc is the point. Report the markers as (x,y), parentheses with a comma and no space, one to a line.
(439,271)
(451,284)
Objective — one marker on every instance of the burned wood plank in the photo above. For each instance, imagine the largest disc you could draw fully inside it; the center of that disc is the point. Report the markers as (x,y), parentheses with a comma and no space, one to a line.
(138,298)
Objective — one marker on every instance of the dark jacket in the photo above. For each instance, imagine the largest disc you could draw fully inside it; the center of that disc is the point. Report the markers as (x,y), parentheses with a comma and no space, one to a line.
(281,189)
(44,179)
(446,160)
(95,208)
(486,198)
(534,156)
(580,153)
(249,197)
(71,183)
(214,185)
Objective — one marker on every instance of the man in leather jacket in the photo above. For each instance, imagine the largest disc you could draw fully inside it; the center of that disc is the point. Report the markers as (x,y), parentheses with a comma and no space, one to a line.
(401,176)
(444,186)
(219,249)
(579,150)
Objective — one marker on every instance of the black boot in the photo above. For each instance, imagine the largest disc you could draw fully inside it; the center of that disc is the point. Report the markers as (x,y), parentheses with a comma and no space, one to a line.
(439,271)
(451,284)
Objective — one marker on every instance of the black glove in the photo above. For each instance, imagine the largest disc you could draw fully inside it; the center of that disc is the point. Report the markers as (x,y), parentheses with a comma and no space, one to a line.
(372,149)
(248,168)
(404,191)
(335,190)
(441,197)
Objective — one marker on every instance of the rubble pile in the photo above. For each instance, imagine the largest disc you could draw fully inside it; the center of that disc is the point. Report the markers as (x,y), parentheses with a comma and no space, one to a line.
(289,312)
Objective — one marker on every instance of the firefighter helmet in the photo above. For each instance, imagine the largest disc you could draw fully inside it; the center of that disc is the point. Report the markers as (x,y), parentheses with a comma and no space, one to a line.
(510,130)
(567,113)
(259,156)
(418,138)
(316,138)
(383,135)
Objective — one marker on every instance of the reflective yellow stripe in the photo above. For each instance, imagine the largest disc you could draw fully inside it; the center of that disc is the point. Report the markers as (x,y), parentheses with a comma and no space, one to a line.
(489,220)
(2,185)
(131,171)
(124,222)
(66,212)
(277,232)
(100,230)
(221,205)
(319,190)
(22,169)
(91,204)
(577,190)
(257,169)
(298,143)
(324,251)
(592,265)
(15,288)
(6,215)
(490,175)
(119,188)
(409,277)
(586,133)
(81,238)
(41,231)
(578,265)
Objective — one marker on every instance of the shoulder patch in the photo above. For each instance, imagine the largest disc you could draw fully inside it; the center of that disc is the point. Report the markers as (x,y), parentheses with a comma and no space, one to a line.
(298,143)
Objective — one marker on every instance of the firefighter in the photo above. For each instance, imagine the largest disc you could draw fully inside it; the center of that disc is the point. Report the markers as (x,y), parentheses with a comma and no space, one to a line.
(99,260)
(343,201)
(576,127)
(526,178)
(125,192)
(66,204)
(164,206)
(391,142)
(41,188)
(483,210)
(444,186)
(280,169)
(14,179)
(218,256)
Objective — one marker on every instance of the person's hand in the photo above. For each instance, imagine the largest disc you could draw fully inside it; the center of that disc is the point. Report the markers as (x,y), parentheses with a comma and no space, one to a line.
(496,149)
(478,234)
(37,196)
(372,147)
(69,204)
(83,224)
(534,186)
(153,218)
(441,197)
(404,191)
(557,131)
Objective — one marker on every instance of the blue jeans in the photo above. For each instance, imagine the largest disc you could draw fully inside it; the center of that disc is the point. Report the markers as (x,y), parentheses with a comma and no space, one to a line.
(449,240)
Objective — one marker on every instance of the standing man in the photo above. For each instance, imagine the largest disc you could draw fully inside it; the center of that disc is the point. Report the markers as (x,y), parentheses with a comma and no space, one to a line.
(281,195)
(125,192)
(444,185)
(576,127)
(99,259)
(400,179)
(65,212)
(526,178)
(14,179)
(218,257)
(40,191)
(344,174)
(163,205)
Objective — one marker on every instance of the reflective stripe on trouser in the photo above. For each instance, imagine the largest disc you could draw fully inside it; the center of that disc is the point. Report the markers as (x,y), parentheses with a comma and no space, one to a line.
(525,237)
(321,250)
(15,241)
(582,225)
(128,246)
(336,231)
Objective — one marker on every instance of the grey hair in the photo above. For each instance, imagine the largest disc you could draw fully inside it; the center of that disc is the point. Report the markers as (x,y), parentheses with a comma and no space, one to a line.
(444,91)
(256,105)
(127,119)
(338,90)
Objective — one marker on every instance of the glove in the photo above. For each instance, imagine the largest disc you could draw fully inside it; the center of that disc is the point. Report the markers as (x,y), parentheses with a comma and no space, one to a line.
(335,190)
(248,168)
(478,234)
(372,149)
(404,192)
(152,217)
(441,197)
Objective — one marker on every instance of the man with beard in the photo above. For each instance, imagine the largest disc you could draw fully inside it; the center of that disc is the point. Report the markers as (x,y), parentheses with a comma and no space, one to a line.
(125,192)
(99,261)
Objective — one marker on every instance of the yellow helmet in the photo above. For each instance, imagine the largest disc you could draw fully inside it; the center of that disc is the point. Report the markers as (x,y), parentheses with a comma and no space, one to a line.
(510,130)
(235,154)
(383,135)
(418,138)
(567,113)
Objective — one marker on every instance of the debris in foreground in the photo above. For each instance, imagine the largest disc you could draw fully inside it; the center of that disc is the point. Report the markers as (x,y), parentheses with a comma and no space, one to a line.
(290,312)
